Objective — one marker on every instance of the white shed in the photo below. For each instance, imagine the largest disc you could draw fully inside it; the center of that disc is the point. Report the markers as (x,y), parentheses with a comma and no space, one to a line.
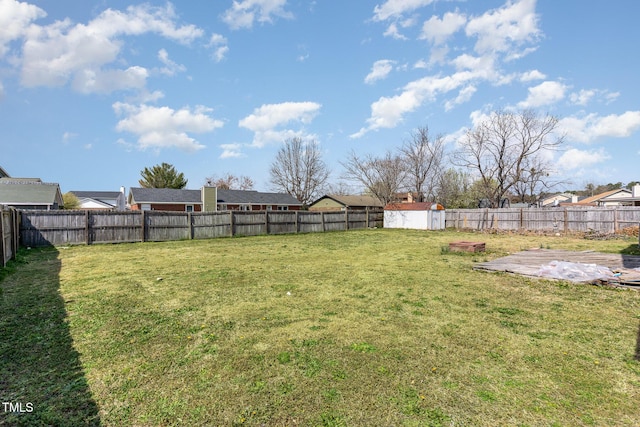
(418,216)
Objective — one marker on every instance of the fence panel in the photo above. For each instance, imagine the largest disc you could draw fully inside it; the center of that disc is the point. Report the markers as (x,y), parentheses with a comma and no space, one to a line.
(249,223)
(335,221)
(166,226)
(311,222)
(43,228)
(282,222)
(628,217)
(209,225)
(114,227)
(357,220)
(376,219)
(560,219)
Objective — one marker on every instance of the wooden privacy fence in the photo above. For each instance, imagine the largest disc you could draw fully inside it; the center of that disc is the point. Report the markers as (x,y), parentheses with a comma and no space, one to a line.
(9,234)
(42,228)
(562,219)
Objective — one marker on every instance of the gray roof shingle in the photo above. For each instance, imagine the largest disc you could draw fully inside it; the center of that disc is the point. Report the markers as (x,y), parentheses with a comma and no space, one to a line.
(230,197)
(256,198)
(164,195)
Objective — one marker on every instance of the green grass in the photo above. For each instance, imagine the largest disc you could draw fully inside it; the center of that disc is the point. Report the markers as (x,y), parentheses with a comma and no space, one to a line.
(359,328)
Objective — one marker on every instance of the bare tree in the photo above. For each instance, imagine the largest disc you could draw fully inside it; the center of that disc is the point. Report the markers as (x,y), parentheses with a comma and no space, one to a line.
(536,179)
(230,182)
(502,148)
(423,159)
(383,177)
(299,170)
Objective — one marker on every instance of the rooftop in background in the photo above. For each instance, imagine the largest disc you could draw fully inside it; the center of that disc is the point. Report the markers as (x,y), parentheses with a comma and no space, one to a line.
(30,193)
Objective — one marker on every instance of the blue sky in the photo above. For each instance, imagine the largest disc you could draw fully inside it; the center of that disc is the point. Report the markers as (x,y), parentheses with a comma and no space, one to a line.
(93,92)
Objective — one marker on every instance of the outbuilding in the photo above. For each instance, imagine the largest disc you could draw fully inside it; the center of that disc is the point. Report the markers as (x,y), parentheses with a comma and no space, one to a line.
(418,216)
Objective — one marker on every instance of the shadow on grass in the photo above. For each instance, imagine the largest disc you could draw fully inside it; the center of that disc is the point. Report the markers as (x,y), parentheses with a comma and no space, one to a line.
(41,378)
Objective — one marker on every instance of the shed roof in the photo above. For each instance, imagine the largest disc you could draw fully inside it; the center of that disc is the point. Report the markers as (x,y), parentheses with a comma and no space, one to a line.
(418,206)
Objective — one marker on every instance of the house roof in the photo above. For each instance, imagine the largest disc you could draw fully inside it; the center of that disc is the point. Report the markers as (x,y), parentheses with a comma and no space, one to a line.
(256,198)
(97,195)
(600,196)
(164,195)
(3,173)
(418,206)
(169,195)
(29,191)
(348,201)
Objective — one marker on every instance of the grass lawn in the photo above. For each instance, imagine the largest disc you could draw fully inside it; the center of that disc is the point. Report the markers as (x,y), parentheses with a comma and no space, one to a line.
(359,328)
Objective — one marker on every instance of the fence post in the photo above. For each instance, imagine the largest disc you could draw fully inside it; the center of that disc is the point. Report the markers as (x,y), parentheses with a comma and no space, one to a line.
(86,226)
(366,218)
(346,219)
(16,218)
(190,220)
(266,221)
(143,225)
(322,220)
(231,223)
(566,220)
(2,235)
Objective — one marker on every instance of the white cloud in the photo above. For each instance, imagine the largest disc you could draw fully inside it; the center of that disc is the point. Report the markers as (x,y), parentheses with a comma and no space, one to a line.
(68,136)
(61,52)
(545,93)
(379,71)
(266,120)
(396,8)
(163,127)
(437,30)
(244,13)
(106,81)
(502,29)
(230,151)
(574,158)
(219,45)
(170,67)
(591,127)
(464,95)
(532,75)
(393,32)
(15,18)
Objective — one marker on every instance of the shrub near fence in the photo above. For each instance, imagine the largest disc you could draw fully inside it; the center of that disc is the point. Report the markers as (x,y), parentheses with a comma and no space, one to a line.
(562,219)
(41,228)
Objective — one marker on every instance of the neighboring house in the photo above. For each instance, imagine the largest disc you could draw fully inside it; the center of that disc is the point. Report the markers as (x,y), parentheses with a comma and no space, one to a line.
(30,193)
(556,199)
(334,202)
(208,199)
(113,200)
(608,198)
(632,199)
(418,216)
